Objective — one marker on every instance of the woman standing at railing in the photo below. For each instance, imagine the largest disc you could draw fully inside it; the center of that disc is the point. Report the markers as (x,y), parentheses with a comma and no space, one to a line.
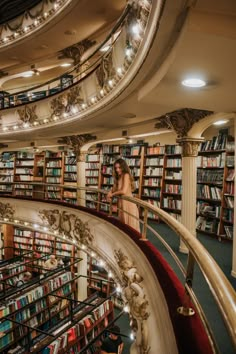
(123,186)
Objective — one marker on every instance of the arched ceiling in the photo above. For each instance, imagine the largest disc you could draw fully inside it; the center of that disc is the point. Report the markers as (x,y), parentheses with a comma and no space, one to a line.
(207,47)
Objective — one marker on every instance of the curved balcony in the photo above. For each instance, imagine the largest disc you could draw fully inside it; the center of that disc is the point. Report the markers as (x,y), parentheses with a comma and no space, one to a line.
(93,231)
(94,83)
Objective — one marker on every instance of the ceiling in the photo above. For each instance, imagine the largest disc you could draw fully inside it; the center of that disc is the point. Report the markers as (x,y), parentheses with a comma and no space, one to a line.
(206,48)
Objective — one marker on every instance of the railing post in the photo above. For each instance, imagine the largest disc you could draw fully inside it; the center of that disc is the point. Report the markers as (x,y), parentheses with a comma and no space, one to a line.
(110,208)
(186,310)
(144,230)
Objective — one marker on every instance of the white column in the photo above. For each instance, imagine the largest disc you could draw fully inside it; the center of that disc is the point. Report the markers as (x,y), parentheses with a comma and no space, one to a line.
(82,282)
(233,271)
(81,179)
(189,185)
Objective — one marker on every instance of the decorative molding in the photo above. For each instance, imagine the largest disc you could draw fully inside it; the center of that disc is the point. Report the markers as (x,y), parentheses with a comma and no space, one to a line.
(76,51)
(106,70)
(28,114)
(64,103)
(6,210)
(77,141)
(136,300)
(67,224)
(181,121)
(190,146)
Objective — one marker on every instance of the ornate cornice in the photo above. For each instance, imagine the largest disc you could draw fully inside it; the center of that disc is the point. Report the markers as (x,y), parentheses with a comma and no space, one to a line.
(76,142)
(65,103)
(181,121)
(6,210)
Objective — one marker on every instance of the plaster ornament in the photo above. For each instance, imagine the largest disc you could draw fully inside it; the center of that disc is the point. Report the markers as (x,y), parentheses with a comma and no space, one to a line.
(6,210)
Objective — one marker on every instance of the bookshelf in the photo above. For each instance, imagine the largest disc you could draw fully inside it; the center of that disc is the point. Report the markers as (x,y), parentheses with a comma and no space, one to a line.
(39,173)
(151,190)
(172,181)
(215,187)
(39,306)
(98,278)
(92,178)
(54,167)
(70,177)
(7,165)
(24,171)
(110,153)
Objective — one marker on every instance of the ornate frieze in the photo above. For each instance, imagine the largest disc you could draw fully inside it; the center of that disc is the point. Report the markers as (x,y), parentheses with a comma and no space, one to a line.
(181,121)
(136,299)
(6,210)
(68,224)
(77,141)
(28,114)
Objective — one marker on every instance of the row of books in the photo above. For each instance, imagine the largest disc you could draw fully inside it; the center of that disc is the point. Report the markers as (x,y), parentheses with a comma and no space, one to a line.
(211,160)
(216,143)
(208,192)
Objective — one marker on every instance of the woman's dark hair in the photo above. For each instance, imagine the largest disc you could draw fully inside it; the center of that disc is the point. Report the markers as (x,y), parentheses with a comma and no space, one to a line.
(125,169)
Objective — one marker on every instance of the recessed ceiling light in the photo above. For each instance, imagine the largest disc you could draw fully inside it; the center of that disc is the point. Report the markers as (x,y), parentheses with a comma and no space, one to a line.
(220,122)
(193,82)
(65,65)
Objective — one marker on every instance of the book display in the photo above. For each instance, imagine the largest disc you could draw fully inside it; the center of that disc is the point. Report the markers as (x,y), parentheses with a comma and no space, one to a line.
(24,171)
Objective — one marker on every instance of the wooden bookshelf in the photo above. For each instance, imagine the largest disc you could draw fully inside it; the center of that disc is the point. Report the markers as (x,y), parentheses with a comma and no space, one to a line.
(98,278)
(70,177)
(24,172)
(7,166)
(172,181)
(215,187)
(92,178)
(54,168)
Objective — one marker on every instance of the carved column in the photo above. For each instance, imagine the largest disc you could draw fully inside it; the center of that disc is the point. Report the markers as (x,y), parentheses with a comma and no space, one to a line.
(189,185)
(233,271)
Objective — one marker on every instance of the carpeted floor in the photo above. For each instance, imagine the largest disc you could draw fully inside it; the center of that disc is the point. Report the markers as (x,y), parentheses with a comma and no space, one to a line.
(222,253)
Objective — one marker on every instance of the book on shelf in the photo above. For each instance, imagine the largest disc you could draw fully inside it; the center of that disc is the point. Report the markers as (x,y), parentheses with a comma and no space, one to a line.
(229,231)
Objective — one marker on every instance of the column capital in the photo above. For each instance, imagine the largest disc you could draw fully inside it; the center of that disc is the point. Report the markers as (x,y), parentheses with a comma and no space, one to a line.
(190,146)
(81,157)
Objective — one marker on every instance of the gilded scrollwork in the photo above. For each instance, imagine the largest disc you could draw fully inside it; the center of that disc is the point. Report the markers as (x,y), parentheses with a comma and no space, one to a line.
(28,114)
(181,121)
(106,69)
(76,51)
(68,224)
(65,102)
(136,299)
(76,142)
(6,210)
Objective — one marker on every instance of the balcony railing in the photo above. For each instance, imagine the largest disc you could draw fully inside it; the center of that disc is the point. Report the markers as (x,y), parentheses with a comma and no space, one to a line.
(219,287)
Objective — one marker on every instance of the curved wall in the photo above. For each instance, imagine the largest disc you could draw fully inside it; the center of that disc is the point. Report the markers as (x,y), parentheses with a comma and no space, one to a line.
(134,273)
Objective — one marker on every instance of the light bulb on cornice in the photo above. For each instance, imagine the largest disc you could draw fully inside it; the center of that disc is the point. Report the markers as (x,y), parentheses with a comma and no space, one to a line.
(83,105)
(92,254)
(118,288)
(221,122)
(5,128)
(26,28)
(136,29)
(35,123)
(65,114)
(105,48)
(45,15)
(128,51)
(45,228)
(119,71)
(16,221)
(110,82)
(101,92)
(101,263)
(16,34)
(36,226)
(5,39)
(15,127)
(36,22)
(26,125)
(93,99)
(45,120)
(26,223)
(6,219)
(83,247)
(110,275)
(65,65)
(126,308)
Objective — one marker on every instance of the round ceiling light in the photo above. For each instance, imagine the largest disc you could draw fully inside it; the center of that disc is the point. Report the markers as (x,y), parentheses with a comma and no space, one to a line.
(194,82)
(65,65)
